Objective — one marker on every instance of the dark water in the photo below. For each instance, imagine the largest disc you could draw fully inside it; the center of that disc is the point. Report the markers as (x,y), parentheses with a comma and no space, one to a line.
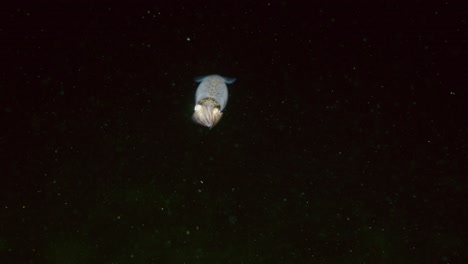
(344,139)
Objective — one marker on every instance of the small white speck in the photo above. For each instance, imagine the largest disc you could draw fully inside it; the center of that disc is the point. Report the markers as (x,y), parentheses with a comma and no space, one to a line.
(452,93)
(188,39)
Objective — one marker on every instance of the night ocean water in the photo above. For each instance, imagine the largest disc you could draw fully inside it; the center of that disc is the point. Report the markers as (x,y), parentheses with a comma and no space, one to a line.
(343,139)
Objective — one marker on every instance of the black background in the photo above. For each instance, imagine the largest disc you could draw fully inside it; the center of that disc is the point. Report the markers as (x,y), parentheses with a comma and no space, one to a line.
(344,139)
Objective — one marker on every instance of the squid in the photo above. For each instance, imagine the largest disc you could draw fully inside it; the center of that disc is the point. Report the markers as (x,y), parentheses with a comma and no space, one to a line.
(210,99)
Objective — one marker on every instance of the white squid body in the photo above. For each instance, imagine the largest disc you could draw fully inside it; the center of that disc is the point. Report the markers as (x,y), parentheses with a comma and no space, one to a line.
(210,99)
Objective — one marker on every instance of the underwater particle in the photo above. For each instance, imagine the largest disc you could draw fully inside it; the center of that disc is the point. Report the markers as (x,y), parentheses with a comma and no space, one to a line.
(210,99)
(232,219)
